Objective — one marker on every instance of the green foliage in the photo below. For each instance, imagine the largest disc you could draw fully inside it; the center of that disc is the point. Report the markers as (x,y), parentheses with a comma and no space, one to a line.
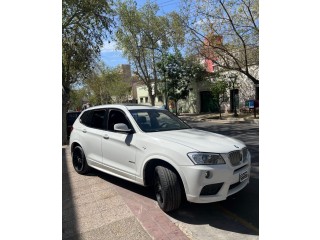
(106,85)
(179,73)
(219,92)
(76,97)
(85,24)
(141,38)
(145,37)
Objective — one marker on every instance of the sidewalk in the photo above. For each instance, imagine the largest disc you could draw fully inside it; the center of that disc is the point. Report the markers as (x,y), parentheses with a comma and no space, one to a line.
(98,206)
(215,117)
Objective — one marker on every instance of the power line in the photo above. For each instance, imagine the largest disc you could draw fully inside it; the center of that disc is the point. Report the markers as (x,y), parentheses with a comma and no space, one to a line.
(159,3)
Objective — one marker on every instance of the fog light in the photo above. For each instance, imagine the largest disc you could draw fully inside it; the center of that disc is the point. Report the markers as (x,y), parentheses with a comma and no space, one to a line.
(207,175)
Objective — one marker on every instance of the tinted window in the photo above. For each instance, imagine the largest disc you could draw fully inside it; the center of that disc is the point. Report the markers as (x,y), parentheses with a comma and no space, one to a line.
(98,119)
(85,118)
(116,116)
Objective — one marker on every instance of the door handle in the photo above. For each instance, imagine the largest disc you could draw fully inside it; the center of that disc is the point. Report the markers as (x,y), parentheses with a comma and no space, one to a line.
(106,136)
(84,130)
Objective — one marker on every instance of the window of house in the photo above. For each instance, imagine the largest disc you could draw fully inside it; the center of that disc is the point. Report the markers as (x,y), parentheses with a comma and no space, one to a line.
(146,99)
(160,99)
(141,100)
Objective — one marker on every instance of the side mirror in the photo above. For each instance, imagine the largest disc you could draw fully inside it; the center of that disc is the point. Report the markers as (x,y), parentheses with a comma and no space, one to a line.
(121,127)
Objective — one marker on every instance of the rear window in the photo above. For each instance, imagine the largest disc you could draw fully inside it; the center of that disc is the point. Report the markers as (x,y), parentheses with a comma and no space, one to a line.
(94,118)
(85,118)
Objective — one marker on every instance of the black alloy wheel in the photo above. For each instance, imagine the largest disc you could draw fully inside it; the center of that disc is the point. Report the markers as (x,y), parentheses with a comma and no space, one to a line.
(79,161)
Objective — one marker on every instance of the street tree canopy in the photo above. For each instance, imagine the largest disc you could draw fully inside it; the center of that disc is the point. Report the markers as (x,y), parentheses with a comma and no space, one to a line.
(106,85)
(85,24)
(179,74)
(226,32)
(145,38)
(141,36)
(219,92)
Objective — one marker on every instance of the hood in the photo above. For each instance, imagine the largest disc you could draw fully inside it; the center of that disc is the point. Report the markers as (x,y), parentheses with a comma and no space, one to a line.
(200,140)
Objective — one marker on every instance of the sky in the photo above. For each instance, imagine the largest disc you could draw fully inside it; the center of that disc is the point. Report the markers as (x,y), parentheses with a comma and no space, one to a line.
(112,57)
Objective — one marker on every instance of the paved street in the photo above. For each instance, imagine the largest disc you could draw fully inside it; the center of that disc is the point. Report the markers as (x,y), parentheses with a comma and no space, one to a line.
(99,206)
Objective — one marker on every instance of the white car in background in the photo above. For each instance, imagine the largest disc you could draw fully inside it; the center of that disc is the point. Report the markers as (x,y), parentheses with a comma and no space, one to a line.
(151,146)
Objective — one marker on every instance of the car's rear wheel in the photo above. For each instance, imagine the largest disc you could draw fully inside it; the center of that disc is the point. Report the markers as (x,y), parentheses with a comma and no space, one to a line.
(167,189)
(79,161)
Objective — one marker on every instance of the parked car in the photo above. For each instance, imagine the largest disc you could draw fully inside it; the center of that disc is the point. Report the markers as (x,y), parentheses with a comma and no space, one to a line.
(152,147)
(71,117)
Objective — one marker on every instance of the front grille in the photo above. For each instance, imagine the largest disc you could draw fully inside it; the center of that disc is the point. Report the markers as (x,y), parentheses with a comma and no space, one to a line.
(211,189)
(236,157)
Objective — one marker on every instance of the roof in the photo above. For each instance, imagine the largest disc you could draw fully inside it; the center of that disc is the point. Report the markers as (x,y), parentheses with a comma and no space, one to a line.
(128,106)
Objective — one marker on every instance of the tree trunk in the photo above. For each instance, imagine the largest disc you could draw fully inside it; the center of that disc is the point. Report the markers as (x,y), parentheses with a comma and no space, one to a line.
(65,99)
(152,97)
(176,106)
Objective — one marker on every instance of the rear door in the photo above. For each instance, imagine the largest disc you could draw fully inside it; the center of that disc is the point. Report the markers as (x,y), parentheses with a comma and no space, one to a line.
(91,132)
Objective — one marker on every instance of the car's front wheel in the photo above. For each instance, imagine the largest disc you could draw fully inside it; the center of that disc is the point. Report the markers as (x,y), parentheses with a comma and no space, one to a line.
(79,161)
(167,189)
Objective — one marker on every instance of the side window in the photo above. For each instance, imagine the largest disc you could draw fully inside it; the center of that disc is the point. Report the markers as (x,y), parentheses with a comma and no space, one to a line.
(116,116)
(85,118)
(98,119)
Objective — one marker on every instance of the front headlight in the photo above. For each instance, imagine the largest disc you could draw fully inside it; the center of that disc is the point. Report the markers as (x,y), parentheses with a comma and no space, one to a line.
(206,158)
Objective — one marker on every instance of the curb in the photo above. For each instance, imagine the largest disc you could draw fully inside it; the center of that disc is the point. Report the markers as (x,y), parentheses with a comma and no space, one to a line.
(230,120)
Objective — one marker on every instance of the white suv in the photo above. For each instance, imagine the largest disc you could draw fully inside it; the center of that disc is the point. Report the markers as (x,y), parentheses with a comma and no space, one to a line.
(151,146)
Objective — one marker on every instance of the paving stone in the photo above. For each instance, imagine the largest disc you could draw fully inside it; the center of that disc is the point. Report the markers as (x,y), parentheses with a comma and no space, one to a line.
(128,228)
(109,203)
(116,213)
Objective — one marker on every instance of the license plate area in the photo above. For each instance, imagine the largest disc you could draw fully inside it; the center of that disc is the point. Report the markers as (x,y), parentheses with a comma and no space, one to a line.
(243,176)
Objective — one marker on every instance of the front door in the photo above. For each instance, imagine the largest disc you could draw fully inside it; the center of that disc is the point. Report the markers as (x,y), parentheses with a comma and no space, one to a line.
(118,149)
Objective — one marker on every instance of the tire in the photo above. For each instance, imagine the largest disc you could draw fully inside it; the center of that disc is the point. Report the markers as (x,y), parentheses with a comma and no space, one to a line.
(79,161)
(167,189)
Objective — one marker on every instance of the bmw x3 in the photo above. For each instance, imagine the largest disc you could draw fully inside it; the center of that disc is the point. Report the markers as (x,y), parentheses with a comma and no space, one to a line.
(152,147)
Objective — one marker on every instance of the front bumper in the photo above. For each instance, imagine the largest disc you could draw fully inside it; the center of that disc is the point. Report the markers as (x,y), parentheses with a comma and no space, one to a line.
(205,184)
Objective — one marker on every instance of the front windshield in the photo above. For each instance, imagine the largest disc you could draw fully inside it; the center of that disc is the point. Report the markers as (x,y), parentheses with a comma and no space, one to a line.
(156,120)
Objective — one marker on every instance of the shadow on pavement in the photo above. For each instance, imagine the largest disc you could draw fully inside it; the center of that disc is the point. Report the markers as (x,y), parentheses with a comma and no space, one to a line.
(144,191)
(214,214)
(69,220)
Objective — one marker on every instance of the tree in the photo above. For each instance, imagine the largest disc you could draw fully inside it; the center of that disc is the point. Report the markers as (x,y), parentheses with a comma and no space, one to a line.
(144,37)
(227,32)
(106,85)
(76,97)
(178,73)
(219,91)
(85,24)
